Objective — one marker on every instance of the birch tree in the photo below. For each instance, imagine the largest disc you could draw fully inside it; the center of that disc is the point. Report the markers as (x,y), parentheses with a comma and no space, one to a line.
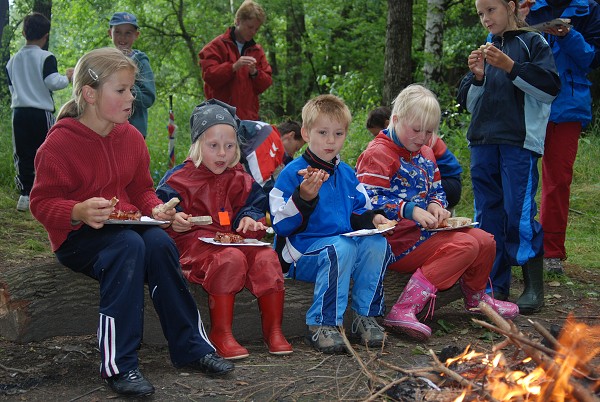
(434,39)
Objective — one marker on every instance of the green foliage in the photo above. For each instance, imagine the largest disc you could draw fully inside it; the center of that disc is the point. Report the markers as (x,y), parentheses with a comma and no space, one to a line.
(6,151)
(341,51)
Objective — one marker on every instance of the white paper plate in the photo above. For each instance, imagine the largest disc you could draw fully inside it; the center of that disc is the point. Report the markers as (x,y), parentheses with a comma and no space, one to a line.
(247,242)
(144,220)
(366,232)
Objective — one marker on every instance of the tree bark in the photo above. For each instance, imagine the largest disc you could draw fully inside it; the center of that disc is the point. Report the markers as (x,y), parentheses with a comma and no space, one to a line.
(46,299)
(44,7)
(296,29)
(3,20)
(434,39)
(397,69)
(5,54)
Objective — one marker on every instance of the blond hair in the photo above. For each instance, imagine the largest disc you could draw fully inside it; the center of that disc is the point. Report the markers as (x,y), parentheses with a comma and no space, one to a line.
(195,152)
(250,10)
(327,105)
(92,70)
(416,104)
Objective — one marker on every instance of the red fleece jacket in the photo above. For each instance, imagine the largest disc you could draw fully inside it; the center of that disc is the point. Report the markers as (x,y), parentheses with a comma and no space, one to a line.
(75,164)
(237,88)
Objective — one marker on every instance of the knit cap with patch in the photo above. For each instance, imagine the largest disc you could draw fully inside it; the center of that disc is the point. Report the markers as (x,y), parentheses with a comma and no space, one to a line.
(210,113)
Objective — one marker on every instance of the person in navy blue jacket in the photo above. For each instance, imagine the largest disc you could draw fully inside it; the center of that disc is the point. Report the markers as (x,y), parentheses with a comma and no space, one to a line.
(513,83)
(576,50)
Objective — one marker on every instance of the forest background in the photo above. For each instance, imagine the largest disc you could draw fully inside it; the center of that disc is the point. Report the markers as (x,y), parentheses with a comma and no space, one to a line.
(364,51)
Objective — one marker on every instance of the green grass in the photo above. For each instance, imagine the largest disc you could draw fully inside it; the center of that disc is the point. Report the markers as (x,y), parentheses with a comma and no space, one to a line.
(24,238)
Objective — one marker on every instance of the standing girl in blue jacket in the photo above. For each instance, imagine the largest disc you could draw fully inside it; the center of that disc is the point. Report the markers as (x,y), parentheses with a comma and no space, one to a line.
(514,81)
(576,51)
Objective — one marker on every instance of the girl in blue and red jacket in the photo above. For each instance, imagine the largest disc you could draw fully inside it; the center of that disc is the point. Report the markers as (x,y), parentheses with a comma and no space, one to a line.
(402,179)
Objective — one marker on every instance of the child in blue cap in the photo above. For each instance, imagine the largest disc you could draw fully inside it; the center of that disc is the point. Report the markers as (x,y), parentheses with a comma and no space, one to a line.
(124,31)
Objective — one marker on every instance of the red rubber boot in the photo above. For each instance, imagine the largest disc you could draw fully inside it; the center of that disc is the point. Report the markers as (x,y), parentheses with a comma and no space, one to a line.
(221,318)
(271,313)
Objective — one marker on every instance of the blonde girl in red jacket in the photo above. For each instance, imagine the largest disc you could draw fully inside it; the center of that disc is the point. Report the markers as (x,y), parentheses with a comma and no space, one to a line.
(212,182)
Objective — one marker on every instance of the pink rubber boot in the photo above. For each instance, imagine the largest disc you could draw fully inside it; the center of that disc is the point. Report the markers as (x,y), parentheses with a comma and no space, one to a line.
(506,309)
(402,317)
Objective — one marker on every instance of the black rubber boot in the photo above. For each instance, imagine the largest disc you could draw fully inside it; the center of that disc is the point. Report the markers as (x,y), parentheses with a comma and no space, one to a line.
(532,299)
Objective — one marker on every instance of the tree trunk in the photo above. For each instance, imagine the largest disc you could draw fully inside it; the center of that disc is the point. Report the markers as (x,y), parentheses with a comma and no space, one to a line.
(397,69)
(296,29)
(3,21)
(47,299)
(178,7)
(44,7)
(434,38)
(5,54)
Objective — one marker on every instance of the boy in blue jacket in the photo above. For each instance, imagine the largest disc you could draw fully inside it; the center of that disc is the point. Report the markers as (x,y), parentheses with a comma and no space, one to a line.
(316,199)
(124,32)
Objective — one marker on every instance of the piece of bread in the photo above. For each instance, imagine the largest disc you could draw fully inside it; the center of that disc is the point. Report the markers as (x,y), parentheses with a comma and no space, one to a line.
(114,201)
(485,47)
(200,220)
(168,205)
(383,226)
(458,221)
(306,173)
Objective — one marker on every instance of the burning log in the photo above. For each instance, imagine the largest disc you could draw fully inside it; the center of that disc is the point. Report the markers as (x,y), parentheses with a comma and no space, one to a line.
(559,373)
(563,371)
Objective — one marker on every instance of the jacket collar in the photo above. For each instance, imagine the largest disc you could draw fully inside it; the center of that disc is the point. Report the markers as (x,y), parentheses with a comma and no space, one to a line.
(316,162)
(390,136)
(248,44)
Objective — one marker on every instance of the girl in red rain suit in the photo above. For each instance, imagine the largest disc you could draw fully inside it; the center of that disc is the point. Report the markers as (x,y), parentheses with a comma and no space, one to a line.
(212,182)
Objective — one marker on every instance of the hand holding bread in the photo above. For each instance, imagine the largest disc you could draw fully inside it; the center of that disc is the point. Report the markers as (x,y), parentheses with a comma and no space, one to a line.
(172,203)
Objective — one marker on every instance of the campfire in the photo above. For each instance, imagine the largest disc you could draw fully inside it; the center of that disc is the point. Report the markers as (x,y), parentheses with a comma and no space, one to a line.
(519,368)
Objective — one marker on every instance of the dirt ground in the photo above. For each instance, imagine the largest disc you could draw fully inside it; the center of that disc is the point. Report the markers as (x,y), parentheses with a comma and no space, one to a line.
(66,368)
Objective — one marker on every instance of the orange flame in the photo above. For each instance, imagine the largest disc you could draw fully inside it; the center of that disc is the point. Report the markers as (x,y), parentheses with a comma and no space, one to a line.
(577,346)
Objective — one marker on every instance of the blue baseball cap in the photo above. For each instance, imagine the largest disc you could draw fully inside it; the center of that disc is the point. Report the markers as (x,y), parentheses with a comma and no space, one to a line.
(123,18)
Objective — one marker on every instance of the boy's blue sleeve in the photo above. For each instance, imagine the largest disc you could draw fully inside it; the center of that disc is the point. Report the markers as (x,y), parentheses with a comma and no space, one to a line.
(289,212)
(145,89)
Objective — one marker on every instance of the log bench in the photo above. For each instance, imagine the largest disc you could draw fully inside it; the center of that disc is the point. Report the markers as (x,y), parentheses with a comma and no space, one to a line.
(46,299)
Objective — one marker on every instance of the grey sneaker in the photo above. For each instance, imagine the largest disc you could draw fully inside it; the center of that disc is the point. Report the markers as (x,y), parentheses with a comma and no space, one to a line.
(554,266)
(325,339)
(367,330)
(23,203)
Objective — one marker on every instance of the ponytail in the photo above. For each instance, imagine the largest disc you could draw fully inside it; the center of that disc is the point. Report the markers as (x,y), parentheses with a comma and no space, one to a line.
(69,109)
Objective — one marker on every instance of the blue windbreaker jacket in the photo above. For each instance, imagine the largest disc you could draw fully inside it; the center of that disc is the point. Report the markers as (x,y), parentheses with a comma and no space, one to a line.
(575,55)
(513,108)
